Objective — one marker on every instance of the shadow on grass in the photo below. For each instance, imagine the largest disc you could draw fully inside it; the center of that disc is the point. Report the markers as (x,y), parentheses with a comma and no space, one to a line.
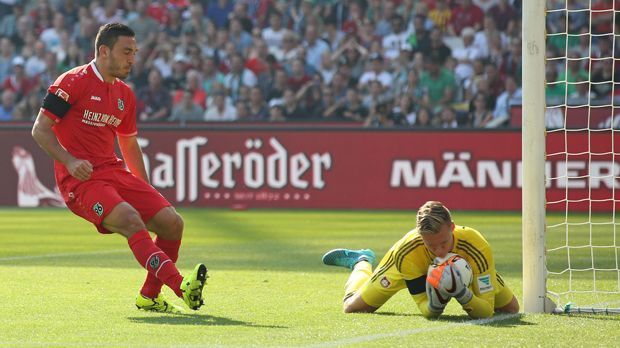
(394,314)
(591,316)
(498,320)
(196,319)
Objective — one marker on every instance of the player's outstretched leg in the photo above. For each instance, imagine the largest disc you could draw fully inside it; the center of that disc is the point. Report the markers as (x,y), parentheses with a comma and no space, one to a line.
(192,285)
(158,304)
(152,286)
(348,258)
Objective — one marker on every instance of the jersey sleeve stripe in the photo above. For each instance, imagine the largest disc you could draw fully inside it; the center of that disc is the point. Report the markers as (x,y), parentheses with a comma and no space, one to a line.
(500,280)
(479,263)
(477,251)
(396,257)
(400,255)
(384,267)
(471,251)
(127,135)
(403,250)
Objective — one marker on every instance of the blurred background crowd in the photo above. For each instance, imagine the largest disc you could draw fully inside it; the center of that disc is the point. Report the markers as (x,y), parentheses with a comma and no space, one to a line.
(409,63)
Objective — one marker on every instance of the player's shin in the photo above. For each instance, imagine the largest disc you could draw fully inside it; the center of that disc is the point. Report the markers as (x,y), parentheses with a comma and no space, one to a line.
(155,261)
(152,286)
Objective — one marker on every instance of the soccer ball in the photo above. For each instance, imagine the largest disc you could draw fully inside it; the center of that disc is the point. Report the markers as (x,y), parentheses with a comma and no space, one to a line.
(460,266)
(443,272)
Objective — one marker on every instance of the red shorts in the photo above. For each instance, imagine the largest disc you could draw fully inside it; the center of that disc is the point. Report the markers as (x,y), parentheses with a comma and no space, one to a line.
(95,198)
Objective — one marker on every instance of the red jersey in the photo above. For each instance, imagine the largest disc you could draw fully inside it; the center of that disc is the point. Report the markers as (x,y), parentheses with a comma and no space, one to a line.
(97,112)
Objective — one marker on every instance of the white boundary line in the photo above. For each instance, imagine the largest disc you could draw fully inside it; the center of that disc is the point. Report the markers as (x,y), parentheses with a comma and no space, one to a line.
(404,333)
(47,256)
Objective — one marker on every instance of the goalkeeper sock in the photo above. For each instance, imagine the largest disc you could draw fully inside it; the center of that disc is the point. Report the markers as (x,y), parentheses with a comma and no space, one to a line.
(152,286)
(155,261)
(361,273)
(477,308)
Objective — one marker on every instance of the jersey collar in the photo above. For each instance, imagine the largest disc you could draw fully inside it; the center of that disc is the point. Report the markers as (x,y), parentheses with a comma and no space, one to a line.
(96,71)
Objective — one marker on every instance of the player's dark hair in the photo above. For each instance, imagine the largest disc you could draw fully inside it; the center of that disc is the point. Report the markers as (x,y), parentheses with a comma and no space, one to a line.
(108,35)
(432,216)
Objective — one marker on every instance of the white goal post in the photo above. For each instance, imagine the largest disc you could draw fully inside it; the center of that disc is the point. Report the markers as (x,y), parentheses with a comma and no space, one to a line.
(533,156)
(570,166)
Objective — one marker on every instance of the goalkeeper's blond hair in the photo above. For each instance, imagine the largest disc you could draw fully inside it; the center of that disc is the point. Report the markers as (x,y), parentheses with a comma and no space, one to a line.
(432,216)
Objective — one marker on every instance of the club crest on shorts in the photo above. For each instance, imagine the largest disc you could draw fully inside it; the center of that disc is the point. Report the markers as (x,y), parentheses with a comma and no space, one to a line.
(121,105)
(154,262)
(385,282)
(98,209)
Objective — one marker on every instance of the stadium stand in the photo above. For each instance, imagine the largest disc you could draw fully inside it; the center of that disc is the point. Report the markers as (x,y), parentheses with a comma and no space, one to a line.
(374,63)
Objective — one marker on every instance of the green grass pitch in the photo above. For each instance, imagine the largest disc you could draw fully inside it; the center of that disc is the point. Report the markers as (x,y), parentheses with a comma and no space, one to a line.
(63,285)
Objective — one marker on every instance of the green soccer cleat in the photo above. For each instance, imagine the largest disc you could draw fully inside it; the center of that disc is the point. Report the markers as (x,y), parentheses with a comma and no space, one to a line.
(159,304)
(348,258)
(192,286)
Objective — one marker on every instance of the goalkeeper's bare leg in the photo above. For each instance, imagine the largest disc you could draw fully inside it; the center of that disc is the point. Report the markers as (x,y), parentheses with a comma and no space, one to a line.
(361,263)
(511,308)
(353,302)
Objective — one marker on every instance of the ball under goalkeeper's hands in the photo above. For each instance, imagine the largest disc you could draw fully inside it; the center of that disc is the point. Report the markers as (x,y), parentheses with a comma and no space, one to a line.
(451,275)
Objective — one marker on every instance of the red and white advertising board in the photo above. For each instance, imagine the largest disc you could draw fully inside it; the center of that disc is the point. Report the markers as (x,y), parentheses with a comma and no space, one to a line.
(324,169)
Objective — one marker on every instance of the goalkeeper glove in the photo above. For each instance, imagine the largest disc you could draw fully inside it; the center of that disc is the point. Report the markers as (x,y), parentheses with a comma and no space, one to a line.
(437,298)
(445,279)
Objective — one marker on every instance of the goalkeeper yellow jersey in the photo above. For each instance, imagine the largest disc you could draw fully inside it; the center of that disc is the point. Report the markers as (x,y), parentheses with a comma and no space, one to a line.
(406,265)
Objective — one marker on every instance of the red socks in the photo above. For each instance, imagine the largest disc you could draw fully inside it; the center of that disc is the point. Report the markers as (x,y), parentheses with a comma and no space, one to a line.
(152,286)
(156,262)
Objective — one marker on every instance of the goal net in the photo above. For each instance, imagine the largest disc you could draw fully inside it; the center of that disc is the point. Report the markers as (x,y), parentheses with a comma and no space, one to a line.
(581,158)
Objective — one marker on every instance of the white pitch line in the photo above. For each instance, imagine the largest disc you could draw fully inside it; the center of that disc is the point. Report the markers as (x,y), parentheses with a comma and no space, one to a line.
(47,256)
(404,333)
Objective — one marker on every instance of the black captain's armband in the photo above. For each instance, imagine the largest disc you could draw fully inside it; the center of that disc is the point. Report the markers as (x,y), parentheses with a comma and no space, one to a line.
(55,104)
(416,286)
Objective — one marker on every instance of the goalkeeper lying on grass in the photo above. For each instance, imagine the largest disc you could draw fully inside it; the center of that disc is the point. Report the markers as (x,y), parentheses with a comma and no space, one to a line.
(421,253)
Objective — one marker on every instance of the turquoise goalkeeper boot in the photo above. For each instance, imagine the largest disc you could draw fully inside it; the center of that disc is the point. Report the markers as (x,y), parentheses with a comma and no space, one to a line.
(192,286)
(348,258)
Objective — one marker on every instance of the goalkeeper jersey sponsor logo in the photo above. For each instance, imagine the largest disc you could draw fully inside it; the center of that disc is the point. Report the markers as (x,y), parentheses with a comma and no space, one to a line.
(484,283)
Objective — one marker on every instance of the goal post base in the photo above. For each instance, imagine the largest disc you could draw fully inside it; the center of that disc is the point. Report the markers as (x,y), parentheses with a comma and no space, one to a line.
(551,307)
(571,309)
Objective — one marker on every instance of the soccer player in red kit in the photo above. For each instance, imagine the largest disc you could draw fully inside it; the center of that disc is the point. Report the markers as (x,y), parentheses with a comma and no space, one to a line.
(84,110)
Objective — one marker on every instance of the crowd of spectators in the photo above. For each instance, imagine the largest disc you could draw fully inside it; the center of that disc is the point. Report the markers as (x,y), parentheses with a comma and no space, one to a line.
(411,63)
